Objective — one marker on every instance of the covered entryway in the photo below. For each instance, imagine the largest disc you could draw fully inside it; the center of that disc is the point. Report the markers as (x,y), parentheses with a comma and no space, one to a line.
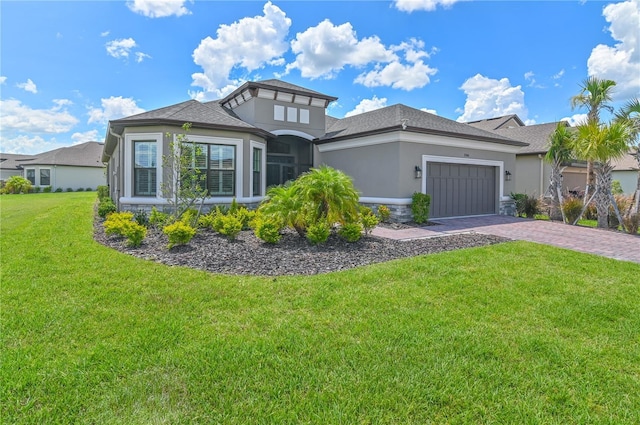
(459,190)
(287,158)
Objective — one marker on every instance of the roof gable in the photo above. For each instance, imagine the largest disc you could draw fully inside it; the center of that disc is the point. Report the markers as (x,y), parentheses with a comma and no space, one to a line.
(491,124)
(83,155)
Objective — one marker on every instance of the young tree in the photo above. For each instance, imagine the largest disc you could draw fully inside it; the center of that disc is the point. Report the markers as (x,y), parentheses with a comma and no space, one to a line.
(600,143)
(187,184)
(559,152)
(595,95)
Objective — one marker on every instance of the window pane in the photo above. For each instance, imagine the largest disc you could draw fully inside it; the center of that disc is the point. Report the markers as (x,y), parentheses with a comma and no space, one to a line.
(145,161)
(45,177)
(31,176)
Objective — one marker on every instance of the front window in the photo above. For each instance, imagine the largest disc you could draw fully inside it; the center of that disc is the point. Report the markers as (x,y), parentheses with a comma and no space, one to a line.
(222,170)
(31,175)
(45,177)
(257,172)
(145,160)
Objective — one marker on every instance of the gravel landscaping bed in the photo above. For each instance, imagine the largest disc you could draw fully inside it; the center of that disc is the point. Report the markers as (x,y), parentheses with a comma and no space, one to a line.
(248,255)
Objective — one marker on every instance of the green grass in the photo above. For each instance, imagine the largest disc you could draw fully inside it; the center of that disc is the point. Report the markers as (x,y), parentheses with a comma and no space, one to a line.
(516,333)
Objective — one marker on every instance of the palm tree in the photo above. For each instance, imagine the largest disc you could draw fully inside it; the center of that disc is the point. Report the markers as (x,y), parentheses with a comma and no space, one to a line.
(595,95)
(600,143)
(559,152)
(284,205)
(631,114)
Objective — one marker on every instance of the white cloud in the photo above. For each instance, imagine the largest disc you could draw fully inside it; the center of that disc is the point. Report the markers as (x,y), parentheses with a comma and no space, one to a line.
(21,118)
(29,86)
(249,43)
(158,8)
(3,80)
(620,63)
(489,98)
(576,119)
(105,33)
(87,136)
(431,111)
(325,49)
(367,105)
(558,75)
(113,108)
(120,48)
(28,145)
(417,5)
(141,56)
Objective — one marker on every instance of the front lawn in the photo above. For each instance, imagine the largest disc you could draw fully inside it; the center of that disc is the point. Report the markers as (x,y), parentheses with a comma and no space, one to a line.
(511,333)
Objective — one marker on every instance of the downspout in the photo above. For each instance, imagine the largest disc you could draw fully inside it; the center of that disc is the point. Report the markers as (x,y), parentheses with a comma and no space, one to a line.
(541,174)
(120,180)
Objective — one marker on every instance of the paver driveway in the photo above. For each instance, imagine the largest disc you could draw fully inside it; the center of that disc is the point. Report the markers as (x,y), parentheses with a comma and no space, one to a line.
(607,243)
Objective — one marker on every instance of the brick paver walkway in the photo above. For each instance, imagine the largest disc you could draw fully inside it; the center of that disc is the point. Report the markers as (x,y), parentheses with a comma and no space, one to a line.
(602,242)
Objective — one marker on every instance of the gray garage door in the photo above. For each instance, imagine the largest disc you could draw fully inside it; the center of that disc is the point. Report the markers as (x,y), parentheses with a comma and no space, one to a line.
(458,190)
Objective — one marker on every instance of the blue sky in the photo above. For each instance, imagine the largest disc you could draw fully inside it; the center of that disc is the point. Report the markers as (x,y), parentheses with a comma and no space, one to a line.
(67,68)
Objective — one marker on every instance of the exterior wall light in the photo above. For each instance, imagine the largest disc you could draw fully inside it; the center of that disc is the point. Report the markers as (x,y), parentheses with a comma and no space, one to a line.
(507,175)
(418,172)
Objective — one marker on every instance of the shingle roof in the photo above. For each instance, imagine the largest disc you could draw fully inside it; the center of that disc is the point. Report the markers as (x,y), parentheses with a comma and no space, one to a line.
(191,111)
(392,118)
(83,155)
(10,161)
(626,163)
(491,124)
(278,84)
(537,136)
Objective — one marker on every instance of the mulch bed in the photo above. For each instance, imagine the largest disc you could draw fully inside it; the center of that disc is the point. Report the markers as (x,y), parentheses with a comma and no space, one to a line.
(248,255)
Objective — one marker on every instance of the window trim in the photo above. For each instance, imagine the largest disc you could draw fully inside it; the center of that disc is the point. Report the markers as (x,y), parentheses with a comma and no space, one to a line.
(129,157)
(26,175)
(263,163)
(40,176)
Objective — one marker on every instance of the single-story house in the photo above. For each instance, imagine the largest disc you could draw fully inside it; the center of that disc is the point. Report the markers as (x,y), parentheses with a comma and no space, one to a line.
(533,173)
(10,165)
(268,132)
(74,167)
(626,170)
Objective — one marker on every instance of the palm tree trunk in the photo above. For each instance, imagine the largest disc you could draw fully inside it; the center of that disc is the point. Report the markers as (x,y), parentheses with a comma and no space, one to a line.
(603,195)
(591,181)
(555,190)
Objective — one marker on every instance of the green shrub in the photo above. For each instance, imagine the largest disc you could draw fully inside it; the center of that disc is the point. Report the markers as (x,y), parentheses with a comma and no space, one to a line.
(80,189)
(58,190)
(368,220)
(616,187)
(179,233)
(217,222)
(571,208)
(103,192)
(47,189)
(591,213)
(189,217)
(384,214)
(141,217)
(158,218)
(231,226)
(531,206)
(420,203)
(632,223)
(106,207)
(88,189)
(233,207)
(351,232)
(267,230)
(519,198)
(318,232)
(205,221)
(17,184)
(245,216)
(69,189)
(125,227)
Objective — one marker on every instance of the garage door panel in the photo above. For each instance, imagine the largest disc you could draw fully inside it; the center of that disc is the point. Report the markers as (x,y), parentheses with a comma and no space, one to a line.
(461,189)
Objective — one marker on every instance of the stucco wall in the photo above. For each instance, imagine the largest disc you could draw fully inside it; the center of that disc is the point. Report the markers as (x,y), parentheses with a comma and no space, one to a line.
(68,177)
(628,179)
(527,175)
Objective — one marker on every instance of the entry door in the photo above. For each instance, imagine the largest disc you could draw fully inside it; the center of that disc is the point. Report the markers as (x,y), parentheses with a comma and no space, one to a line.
(459,190)
(280,169)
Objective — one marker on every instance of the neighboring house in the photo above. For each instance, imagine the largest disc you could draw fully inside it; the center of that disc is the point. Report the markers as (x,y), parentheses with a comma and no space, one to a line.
(266,133)
(533,173)
(74,167)
(625,170)
(10,165)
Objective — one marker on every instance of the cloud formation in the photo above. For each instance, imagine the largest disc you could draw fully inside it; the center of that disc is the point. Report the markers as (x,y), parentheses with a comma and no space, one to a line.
(113,108)
(367,105)
(621,62)
(158,8)
(17,117)
(120,49)
(29,86)
(422,5)
(489,98)
(249,43)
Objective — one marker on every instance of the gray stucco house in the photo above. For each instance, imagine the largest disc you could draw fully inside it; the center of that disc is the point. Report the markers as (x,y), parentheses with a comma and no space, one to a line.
(268,132)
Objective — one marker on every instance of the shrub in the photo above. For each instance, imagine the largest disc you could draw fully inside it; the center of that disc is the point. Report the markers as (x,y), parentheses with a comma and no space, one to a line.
(318,232)
(351,232)
(571,208)
(267,230)
(231,226)
(384,214)
(616,187)
(58,190)
(189,217)
(106,207)
(80,189)
(141,217)
(122,224)
(217,222)
(205,221)
(233,207)
(17,184)
(158,218)
(103,192)
(420,203)
(368,220)
(591,213)
(531,206)
(632,222)
(36,189)
(179,233)
(47,189)
(88,189)
(69,189)
(244,216)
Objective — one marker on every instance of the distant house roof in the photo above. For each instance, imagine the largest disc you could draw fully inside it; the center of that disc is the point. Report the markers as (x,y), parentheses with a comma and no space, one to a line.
(83,155)
(626,163)
(13,162)
(397,117)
